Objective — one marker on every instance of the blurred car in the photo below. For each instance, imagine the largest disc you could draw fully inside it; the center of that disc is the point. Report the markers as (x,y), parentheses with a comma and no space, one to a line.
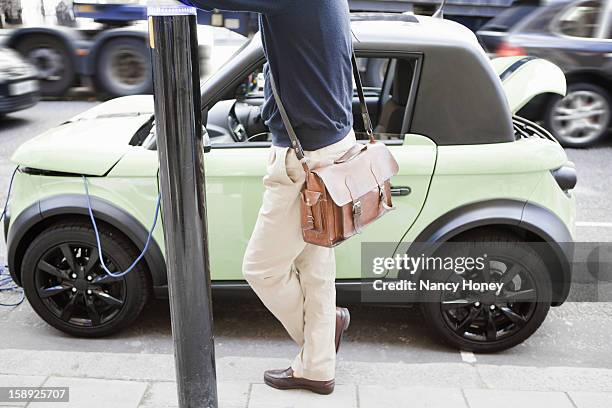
(492,34)
(576,36)
(18,83)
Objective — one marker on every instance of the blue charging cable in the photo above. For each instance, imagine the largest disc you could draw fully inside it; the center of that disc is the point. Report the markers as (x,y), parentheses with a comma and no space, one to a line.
(6,282)
(97,234)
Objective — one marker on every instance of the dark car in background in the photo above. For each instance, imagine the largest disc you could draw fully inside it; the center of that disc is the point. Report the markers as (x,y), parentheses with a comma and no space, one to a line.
(18,82)
(576,36)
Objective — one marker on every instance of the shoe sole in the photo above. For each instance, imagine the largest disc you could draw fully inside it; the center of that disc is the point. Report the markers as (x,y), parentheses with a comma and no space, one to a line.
(299,387)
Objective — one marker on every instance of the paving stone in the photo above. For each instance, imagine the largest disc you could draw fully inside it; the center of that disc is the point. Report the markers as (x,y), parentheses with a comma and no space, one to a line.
(545,378)
(481,398)
(375,396)
(94,393)
(262,396)
(164,395)
(591,399)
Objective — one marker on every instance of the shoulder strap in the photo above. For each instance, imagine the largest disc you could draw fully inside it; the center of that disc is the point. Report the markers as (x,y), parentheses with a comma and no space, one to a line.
(295,143)
(365,115)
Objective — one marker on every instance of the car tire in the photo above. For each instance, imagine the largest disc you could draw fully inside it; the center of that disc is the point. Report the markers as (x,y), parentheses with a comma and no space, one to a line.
(586,95)
(53,62)
(507,334)
(123,67)
(94,304)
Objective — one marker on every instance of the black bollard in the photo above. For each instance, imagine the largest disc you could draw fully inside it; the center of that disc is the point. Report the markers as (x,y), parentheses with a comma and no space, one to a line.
(178,116)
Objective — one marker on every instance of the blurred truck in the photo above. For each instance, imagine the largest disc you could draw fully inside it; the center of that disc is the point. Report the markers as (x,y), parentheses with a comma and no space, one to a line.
(112,57)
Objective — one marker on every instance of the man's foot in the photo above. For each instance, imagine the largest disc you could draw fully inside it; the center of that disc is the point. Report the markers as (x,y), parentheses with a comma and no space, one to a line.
(343,319)
(284,380)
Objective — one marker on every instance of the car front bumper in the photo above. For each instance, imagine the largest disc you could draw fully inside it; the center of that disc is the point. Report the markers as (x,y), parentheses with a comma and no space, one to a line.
(12,103)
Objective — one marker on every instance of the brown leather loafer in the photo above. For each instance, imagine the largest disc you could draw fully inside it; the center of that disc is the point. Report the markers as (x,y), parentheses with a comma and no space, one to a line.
(284,380)
(343,319)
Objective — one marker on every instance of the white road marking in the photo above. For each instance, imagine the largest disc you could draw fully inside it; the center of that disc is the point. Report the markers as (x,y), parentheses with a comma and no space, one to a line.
(594,224)
(468,357)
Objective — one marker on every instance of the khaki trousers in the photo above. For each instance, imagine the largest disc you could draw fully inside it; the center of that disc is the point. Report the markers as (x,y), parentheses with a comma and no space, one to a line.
(295,280)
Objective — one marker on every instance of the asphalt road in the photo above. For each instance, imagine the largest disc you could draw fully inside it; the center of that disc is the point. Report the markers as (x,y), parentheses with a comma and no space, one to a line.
(574,335)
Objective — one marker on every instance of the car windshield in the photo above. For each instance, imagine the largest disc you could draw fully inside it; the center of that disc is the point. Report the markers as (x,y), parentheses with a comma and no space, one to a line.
(238,51)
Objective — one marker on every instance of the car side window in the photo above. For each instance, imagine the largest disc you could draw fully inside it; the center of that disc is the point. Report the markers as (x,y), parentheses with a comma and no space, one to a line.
(581,20)
(389,89)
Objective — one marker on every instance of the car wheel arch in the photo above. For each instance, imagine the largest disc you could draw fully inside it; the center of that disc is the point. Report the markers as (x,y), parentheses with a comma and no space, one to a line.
(69,207)
(528,220)
(591,77)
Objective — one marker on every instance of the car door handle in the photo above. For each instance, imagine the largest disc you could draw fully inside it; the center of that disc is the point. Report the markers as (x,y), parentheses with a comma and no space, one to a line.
(400,190)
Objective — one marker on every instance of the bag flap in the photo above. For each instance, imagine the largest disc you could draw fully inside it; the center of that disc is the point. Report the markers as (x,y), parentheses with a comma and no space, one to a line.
(354,178)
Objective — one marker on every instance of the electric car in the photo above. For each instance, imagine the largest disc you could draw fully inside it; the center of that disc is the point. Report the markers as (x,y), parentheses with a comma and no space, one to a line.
(469,172)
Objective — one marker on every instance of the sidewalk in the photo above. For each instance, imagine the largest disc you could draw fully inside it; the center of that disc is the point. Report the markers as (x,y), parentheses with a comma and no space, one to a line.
(100,380)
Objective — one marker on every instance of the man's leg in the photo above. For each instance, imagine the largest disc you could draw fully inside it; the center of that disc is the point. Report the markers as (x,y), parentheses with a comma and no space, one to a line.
(303,302)
(275,244)
(317,271)
(316,268)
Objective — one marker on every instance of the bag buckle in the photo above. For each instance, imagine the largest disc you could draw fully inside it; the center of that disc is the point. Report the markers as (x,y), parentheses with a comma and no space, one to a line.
(309,222)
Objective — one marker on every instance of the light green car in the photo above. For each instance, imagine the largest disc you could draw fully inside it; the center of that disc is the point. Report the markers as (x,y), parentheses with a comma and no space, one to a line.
(469,172)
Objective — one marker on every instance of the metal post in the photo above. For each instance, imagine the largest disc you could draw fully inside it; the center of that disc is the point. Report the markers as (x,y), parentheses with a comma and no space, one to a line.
(178,118)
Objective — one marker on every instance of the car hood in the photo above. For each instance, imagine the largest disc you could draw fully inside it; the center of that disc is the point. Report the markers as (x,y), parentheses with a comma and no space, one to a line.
(90,143)
(524,78)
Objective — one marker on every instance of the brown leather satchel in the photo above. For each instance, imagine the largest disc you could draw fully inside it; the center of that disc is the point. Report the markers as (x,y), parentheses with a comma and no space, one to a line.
(341,199)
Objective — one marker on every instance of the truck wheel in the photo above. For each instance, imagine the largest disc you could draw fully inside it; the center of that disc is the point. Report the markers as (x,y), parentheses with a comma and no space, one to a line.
(582,118)
(52,60)
(66,286)
(488,321)
(124,68)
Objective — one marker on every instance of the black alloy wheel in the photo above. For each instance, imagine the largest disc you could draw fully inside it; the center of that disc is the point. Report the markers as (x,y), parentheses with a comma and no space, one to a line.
(490,316)
(73,286)
(64,281)
(490,320)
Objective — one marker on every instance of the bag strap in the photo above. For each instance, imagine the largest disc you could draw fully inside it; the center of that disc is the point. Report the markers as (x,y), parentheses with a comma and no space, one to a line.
(295,143)
(365,115)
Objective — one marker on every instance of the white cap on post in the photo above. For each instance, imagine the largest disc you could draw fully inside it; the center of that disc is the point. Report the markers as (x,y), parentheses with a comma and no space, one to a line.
(168,8)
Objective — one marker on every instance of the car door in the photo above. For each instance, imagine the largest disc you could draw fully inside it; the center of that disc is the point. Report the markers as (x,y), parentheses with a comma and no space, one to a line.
(234,189)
